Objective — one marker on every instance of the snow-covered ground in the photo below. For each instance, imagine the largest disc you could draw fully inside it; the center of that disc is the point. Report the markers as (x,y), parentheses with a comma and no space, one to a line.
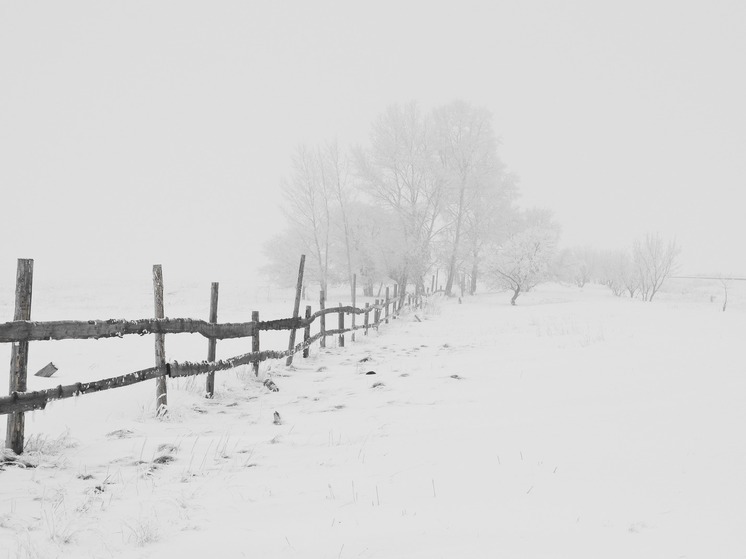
(573,425)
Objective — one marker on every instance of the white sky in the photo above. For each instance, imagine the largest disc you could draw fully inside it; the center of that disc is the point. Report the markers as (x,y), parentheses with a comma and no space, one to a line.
(142,132)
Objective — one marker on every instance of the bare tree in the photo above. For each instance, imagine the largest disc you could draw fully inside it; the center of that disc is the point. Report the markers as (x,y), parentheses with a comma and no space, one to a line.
(654,260)
(308,209)
(335,174)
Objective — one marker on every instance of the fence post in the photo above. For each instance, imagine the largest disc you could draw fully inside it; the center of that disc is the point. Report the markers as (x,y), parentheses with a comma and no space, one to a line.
(255,341)
(354,290)
(432,284)
(296,308)
(161,388)
(322,323)
(341,326)
(307,332)
(14,437)
(387,306)
(376,315)
(366,319)
(212,342)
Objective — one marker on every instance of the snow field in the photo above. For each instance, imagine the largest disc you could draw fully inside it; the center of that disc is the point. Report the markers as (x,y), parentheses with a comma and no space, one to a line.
(573,425)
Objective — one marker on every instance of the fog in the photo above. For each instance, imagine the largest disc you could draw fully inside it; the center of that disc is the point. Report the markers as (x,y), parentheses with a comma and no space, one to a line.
(134,133)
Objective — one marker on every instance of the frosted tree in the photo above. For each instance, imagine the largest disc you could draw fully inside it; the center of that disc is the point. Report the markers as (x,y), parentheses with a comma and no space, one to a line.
(487,222)
(654,260)
(615,270)
(467,151)
(308,208)
(375,245)
(335,174)
(400,173)
(578,265)
(522,262)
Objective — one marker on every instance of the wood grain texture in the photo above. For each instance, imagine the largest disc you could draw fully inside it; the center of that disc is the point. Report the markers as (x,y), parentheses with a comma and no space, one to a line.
(212,343)
(14,435)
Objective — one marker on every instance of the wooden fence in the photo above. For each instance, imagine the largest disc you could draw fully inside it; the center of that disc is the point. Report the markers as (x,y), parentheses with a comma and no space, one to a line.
(22,330)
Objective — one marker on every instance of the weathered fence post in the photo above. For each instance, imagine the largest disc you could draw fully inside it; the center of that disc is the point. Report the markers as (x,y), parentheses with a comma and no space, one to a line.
(307,331)
(395,301)
(341,326)
(212,342)
(322,319)
(366,320)
(376,315)
(255,341)
(296,308)
(386,320)
(354,290)
(19,352)
(161,388)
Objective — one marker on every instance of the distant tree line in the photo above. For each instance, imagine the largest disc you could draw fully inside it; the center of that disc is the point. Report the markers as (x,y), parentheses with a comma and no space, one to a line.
(428,194)
(639,272)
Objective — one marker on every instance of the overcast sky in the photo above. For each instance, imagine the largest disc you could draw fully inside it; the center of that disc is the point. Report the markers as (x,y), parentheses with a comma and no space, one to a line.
(141,132)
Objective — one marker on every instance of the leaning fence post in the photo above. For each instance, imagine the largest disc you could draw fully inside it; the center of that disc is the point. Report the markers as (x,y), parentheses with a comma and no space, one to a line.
(212,342)
(255,341)
(307,331)
(367,319)
(19,352)
(322,319)
(296,309)
(354,289)
(387,305)
(341,326)
(394,302)
(161,388)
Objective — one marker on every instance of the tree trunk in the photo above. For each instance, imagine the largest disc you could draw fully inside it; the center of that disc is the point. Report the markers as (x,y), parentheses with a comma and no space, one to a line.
(456,238)
(474,271)
(451,273)
(516,292)
(402,288)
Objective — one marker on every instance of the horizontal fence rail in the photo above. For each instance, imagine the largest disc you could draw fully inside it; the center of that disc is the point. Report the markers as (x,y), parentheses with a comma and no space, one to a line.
(26,331)
(22,330)
(94,329)
(36,400)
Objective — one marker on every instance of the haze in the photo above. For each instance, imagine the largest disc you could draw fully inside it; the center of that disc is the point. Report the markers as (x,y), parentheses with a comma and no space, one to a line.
(134,133)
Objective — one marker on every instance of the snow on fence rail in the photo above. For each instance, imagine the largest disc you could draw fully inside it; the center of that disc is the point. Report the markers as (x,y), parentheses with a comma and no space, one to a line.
(22,330)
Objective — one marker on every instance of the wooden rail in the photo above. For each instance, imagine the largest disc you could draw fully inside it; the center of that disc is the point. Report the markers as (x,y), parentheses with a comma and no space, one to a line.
(27,331)
(28,401)
(21,332)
